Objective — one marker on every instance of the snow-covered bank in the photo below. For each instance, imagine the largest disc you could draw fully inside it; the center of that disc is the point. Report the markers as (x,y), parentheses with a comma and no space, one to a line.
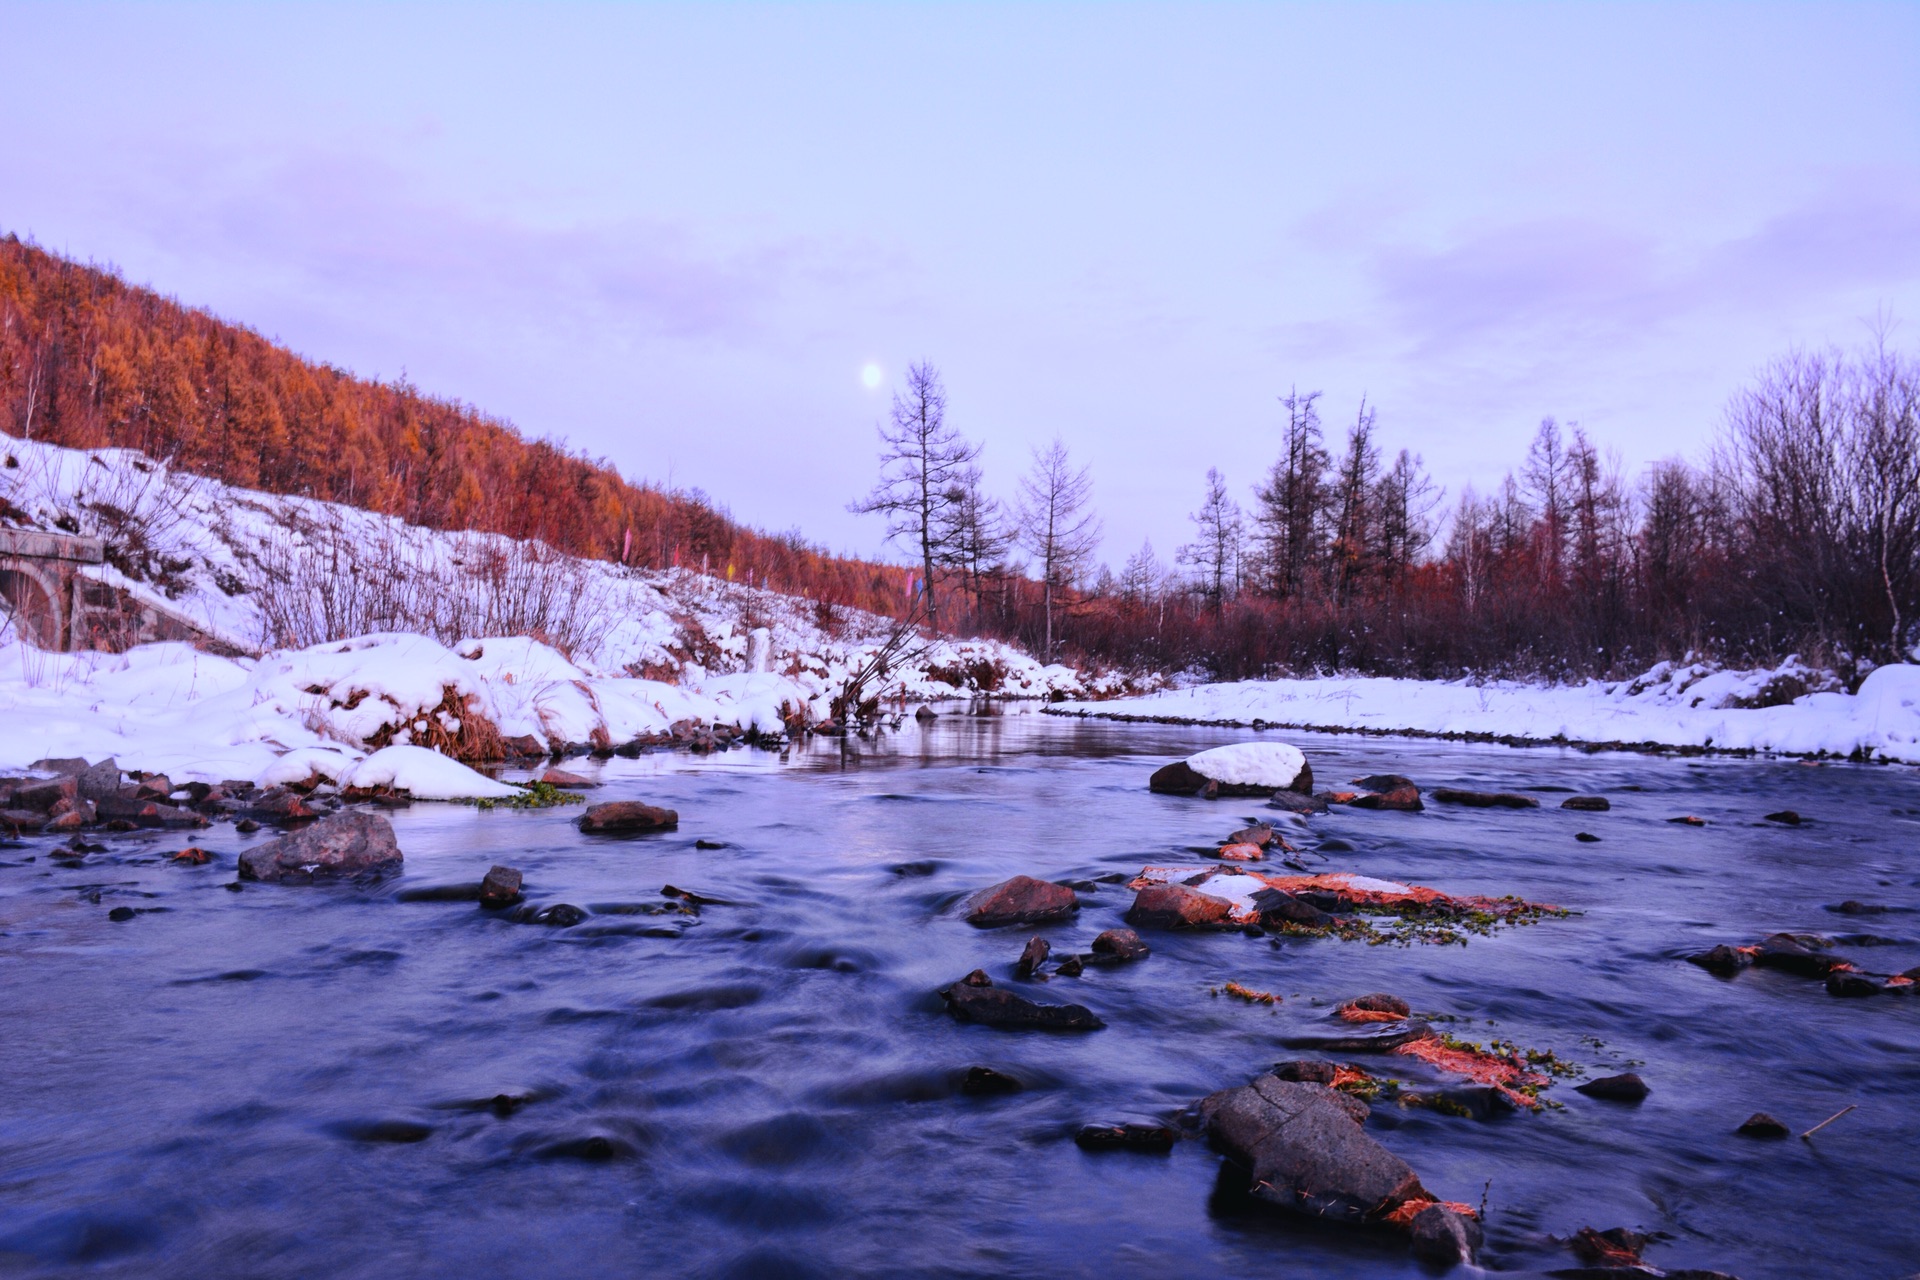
(634,652)
(1666,708)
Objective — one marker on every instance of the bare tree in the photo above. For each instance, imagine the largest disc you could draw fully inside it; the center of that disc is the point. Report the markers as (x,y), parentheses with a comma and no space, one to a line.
(975,538)
(1140,580)
(1215,551)
(1055,524)
(924,465)
(1352,508)
(1546,480)
(1292,500)
(1404,499)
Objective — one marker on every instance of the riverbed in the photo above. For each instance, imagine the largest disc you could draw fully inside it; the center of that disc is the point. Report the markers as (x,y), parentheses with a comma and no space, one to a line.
(340,1081)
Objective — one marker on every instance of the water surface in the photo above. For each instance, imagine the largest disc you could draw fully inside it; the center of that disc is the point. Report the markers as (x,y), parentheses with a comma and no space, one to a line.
(294,1081)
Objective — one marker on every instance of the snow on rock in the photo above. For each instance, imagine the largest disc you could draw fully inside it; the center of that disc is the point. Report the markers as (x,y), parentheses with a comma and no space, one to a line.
(1250,764)
(424,774)
(1669,706)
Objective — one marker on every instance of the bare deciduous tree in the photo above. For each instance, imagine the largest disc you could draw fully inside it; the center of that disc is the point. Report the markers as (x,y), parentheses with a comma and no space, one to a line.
(1056,525)
(924,470)
(1215,551)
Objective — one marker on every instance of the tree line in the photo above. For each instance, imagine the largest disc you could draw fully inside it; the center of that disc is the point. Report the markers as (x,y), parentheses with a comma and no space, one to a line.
(1799,532)
(89,361)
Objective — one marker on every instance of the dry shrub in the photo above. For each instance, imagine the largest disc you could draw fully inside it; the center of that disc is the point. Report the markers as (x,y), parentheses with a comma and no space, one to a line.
(477,738)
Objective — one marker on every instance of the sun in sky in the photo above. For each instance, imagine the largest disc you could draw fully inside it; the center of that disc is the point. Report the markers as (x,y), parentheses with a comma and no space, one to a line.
(870,376)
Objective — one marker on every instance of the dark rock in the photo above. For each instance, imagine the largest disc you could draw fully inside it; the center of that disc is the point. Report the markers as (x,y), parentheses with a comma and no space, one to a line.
(704,843)
(21,820)
(975,999)
(1021,900)
(1722,960)
(1854,907)
(1177,779)
(1688,820)
(120,914)
(67,765)
(522,747)
(561,915)
(1586,804)
(1786,817)
(1586,837)
(1390,1035)
(44,795)
(1406,799)
(1379,1002)
(154,786)
(1626,1087)
(1305,1071)
(341,845)
(279,805)
(1121,944)
(1032,957)
(1761,1125)
(1071,967)
(1852,985)
(1306,1152)
(1784,951)
(1260,835)
(1127,1136)
(567,781)
(627,817)
(1614,1247)
(146,813)
(1175,906)
(1295,802)
(1383,782)
(1277,906)
(1484,799)
(246,826)
(394,1131)
(500,887)
(98,781)
(1443,1237)
(986,1082)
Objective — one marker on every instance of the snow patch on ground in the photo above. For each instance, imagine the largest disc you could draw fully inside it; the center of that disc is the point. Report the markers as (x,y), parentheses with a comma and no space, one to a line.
(1674,707)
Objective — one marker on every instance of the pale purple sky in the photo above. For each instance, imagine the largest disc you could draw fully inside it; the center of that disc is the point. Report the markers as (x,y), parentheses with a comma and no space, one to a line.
(675,236)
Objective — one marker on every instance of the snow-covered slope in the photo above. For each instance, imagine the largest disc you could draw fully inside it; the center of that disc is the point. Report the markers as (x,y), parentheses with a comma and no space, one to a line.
(369,632)
(1676,707)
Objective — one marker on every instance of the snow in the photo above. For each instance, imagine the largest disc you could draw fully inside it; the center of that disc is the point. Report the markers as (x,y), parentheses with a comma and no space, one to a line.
(1670,706)
(1250,764)
(645,649)
(426,775)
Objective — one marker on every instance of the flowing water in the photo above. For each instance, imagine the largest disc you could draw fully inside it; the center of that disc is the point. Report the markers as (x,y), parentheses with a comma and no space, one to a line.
(294,1081)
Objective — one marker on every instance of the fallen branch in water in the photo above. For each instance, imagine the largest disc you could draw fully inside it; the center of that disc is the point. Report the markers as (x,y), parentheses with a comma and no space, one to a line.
(1829,1120)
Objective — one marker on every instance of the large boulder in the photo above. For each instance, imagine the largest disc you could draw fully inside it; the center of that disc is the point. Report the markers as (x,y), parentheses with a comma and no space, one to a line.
(341,846)
(1306,1152)
(1021,900)
(627,817)
(1240,769)
(1175,906)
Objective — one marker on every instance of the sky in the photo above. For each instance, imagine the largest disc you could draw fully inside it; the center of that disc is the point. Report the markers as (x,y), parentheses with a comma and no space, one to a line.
(686,238)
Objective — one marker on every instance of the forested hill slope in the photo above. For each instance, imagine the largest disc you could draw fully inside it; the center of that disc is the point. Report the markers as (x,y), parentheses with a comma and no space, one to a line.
(88,361)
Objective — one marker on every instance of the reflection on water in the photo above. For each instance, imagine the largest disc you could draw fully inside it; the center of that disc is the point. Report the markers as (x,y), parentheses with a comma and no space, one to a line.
(332,1081)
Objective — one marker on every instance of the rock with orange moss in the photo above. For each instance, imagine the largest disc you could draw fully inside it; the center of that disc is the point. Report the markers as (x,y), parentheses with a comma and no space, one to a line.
(1304,1151)
(1376,1007)
(1175,906)
(1443,1236)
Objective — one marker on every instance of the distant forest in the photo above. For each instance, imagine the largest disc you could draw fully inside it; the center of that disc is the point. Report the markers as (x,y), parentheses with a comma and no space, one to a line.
(89,361)
(1799,532)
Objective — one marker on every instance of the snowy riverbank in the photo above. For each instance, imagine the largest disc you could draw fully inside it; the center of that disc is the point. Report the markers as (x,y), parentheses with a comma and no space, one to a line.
(1685,707)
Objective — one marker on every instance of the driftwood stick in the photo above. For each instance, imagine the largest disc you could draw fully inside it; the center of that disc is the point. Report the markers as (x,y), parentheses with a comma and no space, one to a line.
(1829,1120)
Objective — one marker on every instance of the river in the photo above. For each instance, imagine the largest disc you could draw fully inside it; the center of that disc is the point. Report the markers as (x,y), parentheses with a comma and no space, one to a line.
(296,1081)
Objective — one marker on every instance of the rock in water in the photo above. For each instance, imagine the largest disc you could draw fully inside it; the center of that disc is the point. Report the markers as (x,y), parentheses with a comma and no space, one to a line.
(1761,1125)
(342,845)
(626,817)
(1306,1151)
(1035,955)
(1021,900)
(1722,960)
(1586,804)
(1175,906)
(567,781)
(1404,796)
(1120,944)
(975,999)
(1484,799)
(1240,769)
(500,888)
(1130,1135)
(1784,951)
(1626,1087)
(1444,1237)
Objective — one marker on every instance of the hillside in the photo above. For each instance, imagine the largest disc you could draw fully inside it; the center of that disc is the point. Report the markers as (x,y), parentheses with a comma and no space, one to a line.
(89,361)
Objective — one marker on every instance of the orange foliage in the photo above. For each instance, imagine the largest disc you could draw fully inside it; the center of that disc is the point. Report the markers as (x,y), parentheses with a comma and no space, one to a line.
(89,361)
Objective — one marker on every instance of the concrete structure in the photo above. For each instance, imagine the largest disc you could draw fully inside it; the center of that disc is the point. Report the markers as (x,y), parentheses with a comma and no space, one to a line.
(51,593)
